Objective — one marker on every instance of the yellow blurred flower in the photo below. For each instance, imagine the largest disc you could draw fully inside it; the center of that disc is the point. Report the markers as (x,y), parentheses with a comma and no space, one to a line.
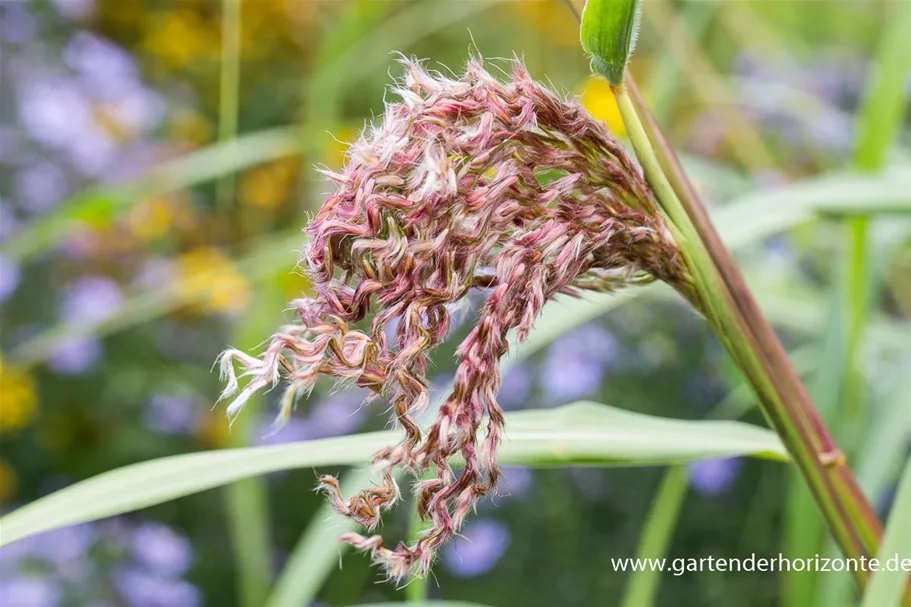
(190,126)
(259,16)
(8,481)
(293,284)
(268,186)
(181,37)
(214,432)
(150,219)
(550,18)
(337,146)
(18,400)
(599,100)
(154,217)
(210,281)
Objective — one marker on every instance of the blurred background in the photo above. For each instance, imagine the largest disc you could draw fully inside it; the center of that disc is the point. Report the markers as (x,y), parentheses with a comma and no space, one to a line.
(156,167)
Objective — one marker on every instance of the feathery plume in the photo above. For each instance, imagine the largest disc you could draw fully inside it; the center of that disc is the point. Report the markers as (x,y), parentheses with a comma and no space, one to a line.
(467,183)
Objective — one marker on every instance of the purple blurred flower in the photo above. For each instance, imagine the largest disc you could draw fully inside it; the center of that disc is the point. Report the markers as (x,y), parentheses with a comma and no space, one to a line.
(515,387)
(106,67)
(54,111)
(29,592)
(338,414)
(40,186)
(773,84)
(155,273)
(17,25)
(91,300)
(138,109)
(75,9)
(75,355)
(9,278)
(334,415)
(110,74)
(160,554)
(713,476)
(295,430)
(9,224)
(116,532)
(140,589)
(831,131)
(93,152)
(481,544)
(576,363)
(517,480)
(64,549)
(162,550)
(173,414)
(12,554)
(63,545)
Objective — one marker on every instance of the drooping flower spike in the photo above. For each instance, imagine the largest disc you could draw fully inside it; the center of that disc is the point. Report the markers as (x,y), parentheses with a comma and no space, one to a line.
(465,184)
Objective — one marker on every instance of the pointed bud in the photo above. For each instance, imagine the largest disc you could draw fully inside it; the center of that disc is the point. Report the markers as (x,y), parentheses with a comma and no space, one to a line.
(609,32)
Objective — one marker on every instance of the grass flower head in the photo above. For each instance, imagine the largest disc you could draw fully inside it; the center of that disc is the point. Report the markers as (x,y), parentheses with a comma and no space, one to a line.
(465,183)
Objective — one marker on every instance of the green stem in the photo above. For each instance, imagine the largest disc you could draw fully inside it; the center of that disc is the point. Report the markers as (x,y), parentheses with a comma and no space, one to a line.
(229,91)
(247,513)
(855,298)
(247,509)
(887,586)
(879,122)
(736,318)
(247,501)
(656,538)
(418,589)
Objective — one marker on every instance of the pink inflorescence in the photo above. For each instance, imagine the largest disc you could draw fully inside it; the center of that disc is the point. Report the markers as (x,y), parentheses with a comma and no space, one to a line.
(466,183)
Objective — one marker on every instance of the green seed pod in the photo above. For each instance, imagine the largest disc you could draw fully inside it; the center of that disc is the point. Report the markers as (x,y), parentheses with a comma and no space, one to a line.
(609,32)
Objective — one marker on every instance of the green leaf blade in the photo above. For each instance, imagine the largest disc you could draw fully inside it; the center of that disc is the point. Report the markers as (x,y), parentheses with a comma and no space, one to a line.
(886,586)
(579,433)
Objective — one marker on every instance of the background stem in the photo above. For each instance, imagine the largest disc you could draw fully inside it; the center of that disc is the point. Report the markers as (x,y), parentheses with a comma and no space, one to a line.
(879,122)
(656,537)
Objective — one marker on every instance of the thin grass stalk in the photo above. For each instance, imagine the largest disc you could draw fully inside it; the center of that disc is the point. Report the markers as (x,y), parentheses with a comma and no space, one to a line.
(247,501)
(228,101)
(879,122)
(784,372)
(749,338)
(418,589)
(642,588)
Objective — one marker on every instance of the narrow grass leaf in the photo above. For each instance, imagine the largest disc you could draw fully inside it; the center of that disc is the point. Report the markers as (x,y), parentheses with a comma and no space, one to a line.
(247,501)
(886,587)
(311,561)
(581,433)
(656,537)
